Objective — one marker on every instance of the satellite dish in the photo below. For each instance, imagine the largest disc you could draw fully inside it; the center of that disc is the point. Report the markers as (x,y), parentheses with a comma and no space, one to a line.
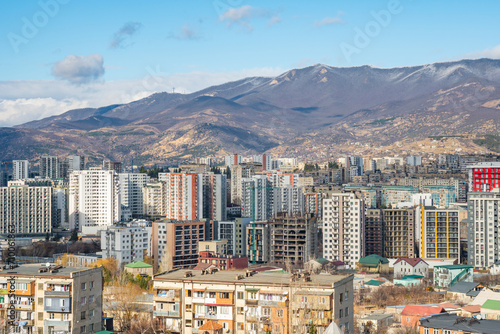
(47,264)
(479,317)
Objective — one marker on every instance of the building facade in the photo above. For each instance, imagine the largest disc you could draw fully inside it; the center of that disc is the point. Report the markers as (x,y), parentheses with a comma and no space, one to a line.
(344,228)
(235,234)
(52,299)
(374,232)
(20,169)
(94,198)
(399,233)
(132,191)
(440,236)
(127,243)
(248,302)
(25,209)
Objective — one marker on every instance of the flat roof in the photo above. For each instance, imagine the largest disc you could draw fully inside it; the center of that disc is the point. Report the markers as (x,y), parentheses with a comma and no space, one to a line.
(448,321)
(32,270)
(265,278)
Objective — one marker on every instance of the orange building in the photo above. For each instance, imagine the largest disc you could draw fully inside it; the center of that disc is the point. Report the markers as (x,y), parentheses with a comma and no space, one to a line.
(411,314)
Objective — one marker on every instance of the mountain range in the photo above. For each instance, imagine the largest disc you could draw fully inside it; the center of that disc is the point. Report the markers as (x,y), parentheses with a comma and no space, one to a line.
(317,111)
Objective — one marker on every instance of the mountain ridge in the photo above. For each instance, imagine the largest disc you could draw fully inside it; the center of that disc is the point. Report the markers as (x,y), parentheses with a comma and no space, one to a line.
(316,105)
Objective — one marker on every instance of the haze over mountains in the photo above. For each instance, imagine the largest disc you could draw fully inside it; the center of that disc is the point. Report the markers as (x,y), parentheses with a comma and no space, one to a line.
(321,106)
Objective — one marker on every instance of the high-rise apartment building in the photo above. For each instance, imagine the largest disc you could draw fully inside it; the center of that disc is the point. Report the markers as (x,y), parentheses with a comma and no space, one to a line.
(238,173)
(233,159)
(399,233)
(112,165)
(294,239)
(482,229)
(94,198)
(214,196)
(344,228)
(52,299)
(245,302)
(175,243)
(374,232)
(414,160)
(258,242)
(154,195)
(27,209)
(132,191)
(313,203)
(257,198)
(20,169)
(49,167)
(183,195)
(235,234)
(440,233)
(127,243)
(484,176)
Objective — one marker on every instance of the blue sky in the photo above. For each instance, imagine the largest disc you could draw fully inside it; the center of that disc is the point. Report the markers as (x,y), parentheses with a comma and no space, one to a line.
(57,55)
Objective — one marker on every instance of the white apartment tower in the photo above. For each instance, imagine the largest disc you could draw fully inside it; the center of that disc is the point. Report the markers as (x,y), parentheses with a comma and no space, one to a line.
(20,169)
(94,198)
(29,208)
(214,196)
(126,243)
(154,195)
(343,228)
(482,228)
(132,191)
(257,198)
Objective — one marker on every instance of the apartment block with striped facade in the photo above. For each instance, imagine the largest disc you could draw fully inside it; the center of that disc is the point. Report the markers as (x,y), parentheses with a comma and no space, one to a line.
(440,233)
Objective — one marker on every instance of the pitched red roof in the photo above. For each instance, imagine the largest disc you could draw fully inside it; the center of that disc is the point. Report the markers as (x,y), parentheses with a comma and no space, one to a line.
(202,266)
(447,305)
(472,308)
(422,311)
(210,325)
(411,262)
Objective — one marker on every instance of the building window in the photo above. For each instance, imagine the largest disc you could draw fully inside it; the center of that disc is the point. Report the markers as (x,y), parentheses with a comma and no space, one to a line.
(82,329)
(51,316)
(240,295)
(224,295)
(82,316)
(341,313)
(91,299)
(347,311)
(84,286)
(279,313)
(91,284)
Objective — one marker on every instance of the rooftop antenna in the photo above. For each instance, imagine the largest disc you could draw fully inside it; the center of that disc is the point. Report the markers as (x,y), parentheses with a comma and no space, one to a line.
(173,90)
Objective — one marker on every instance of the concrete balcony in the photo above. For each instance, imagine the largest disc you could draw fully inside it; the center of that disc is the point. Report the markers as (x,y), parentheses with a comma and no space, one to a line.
(166,313)
(57,293)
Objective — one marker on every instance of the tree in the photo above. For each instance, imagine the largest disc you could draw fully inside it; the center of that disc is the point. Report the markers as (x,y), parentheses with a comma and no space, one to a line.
(110,269)
(123,302)
(312,329)
(74,235)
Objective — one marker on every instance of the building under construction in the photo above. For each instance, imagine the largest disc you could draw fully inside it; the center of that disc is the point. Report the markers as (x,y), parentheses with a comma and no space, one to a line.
(294,239)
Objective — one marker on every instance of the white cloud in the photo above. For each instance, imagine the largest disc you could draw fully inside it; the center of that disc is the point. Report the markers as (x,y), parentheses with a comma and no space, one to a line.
(242,16)
(186,32)
(273,20)
(493,53)
(79,69)
(330,20)
(23,101)
(121,38)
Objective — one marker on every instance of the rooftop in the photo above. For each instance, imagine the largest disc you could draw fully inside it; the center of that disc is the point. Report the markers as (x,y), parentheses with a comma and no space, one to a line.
(491,304)
(138,264)
(421,310)
(373,259)
(265,278)
(463,287)
(455,266)
(32,271)
(411,262)
(459,324)
(377,316)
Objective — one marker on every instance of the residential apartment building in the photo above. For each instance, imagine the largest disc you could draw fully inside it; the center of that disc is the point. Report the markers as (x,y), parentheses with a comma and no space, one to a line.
(112,165)
(132,191)
(238,173)
(288,199)
(153,195)
(249,302)
(235,234)
(392,195)
(258,242)
(94,198)
(399,233)
(175,243)
(126,243)
(440,233)
(448,275)
(52,299)
(28,208)
(294,239)
(374,232)
(344,228)
(75,162)
(214,196)
(484,176)
(257,198)
(313,203)
(49,166)
(482,228)
(20,169)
